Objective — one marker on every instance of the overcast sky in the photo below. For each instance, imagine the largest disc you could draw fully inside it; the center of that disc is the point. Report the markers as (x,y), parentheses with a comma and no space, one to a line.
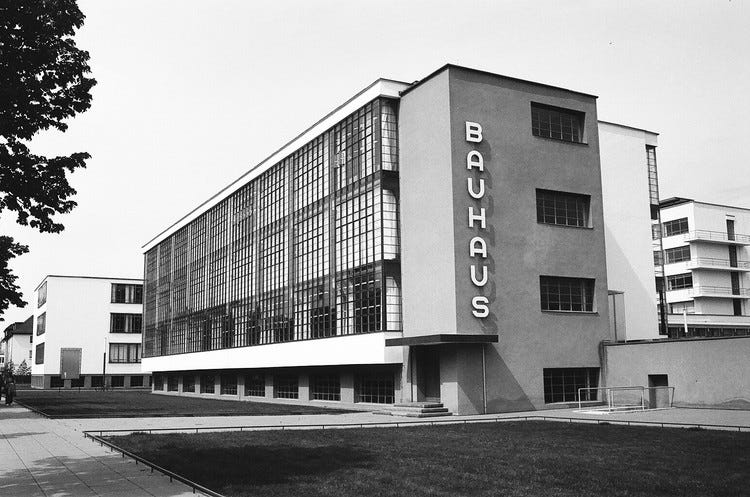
(191,94)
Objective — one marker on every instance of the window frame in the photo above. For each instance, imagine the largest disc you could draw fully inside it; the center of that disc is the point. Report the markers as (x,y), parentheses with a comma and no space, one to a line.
(681,226)
(587,294)
(559,200)
(577,123)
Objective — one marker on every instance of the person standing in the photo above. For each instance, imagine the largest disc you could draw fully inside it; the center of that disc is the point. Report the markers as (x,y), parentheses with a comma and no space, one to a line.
(10,391)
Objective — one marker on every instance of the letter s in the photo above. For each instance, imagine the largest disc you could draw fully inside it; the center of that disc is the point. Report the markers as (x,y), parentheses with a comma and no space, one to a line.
(479,304)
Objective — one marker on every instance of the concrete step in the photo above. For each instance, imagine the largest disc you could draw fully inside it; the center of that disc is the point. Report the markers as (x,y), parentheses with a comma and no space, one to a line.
(419,409)
(418,404)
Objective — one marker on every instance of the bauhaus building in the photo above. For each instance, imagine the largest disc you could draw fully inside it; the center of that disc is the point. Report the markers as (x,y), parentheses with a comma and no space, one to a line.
(442,240)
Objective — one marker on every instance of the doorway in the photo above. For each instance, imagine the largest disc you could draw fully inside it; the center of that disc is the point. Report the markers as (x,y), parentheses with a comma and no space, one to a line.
(658,392)
(428,373)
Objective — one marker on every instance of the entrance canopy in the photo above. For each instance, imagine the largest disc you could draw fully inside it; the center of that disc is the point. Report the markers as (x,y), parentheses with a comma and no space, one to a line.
(441,339)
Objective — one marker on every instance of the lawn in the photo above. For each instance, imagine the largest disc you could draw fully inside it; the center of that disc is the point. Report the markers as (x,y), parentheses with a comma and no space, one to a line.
(136,404)
(534,458)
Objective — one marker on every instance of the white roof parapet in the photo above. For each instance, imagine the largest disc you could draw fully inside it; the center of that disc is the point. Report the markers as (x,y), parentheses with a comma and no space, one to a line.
(381,87)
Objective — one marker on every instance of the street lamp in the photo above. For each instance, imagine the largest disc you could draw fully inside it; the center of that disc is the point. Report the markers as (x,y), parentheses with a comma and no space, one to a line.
(104,365)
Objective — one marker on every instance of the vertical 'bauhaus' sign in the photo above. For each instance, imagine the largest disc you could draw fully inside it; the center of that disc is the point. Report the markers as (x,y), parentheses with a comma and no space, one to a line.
(477,219)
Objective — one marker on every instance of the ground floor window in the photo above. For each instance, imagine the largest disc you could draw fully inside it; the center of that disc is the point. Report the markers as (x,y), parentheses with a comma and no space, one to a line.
(78,383)
(158,382)
(325,387)
(562,384)
(376,388)
(173,383)
(56,382)
(255,385)
(229,384)
(208,383)
(286,387)
(136,381)
(97,381)
(188,383)
(118,381)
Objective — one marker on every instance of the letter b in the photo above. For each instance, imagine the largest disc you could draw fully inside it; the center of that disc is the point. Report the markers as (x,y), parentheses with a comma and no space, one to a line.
(473,132)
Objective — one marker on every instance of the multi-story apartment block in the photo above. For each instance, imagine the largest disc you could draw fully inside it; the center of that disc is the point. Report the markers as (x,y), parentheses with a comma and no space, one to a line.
(706,266)
(438,241)
(87,333)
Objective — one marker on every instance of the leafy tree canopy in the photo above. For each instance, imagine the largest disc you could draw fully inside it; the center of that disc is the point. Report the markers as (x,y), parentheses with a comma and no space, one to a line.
(42,82)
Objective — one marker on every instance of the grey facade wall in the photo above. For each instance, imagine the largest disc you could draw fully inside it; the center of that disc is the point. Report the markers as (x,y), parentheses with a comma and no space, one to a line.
(711,372)
(520,250)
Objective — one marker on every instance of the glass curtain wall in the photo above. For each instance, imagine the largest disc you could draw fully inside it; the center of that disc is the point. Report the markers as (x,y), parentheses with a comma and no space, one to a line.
(309,249)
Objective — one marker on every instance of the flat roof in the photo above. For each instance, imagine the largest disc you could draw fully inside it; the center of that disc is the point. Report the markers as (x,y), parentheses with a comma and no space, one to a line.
(380,87)
(417,83)
(442,338)
(627,126)
(85,278)
(672,201)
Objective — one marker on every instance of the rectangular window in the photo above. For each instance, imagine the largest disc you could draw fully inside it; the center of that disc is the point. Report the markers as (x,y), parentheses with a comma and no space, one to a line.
(136,381)
(208,383)
(228,384)
(39,358)
(286,387)
(118,381)
(678,254)
(188,383)
(562,209)
(173,383)
(41,323)
(255,385)
(79,382)
(97,381)
(125,323)
(562,384)
(557,123)
(56,382)
(325,387)
(125,353)
(158,382)
(658,258)
(127,294)
(566,294)
(41,295)
(655,231)
(375,388)
(678,281)
(676,227)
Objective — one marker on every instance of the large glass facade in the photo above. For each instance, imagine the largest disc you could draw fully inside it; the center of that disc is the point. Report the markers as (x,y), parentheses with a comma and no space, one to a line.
(309,249)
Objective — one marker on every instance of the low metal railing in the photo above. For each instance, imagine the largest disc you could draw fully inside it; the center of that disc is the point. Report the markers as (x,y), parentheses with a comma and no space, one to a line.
(717,236)
(718,263)
(705,290)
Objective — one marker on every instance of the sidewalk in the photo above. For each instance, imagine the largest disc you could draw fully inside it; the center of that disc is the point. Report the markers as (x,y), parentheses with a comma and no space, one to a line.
(43,457)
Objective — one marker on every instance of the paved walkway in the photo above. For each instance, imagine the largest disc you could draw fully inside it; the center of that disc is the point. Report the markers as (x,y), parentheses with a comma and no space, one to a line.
(45,457)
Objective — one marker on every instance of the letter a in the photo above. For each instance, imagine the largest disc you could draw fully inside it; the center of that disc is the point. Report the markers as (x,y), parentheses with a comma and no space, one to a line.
(480,306)
(474,275)
(473,132)
(482,250)
(470,186)
(475,159)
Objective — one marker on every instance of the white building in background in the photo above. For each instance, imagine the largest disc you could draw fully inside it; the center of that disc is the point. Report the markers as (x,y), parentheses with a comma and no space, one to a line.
(15,344)
(87,333)
(706,264)
(630,194)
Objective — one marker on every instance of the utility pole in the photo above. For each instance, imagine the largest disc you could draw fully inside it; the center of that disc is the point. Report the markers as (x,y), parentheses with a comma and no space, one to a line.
(104,365)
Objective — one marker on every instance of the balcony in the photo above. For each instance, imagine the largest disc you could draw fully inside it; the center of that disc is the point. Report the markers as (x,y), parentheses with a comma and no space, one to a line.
(721,237)
(717,264)
(718,292)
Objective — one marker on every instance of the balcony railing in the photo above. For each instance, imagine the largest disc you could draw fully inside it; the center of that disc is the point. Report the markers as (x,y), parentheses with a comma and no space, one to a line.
(710,262)
(717,236)
(718,291)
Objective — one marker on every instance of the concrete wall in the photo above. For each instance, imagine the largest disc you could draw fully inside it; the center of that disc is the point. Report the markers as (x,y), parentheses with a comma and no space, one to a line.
(78,316)
(425,177)
(709,372)
(627,224)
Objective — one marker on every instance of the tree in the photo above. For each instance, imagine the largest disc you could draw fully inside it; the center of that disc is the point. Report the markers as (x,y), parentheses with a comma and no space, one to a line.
(23,369)
(42,82)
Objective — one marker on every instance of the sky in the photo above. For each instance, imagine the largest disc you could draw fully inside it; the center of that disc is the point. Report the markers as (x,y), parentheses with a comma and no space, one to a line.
(191,94)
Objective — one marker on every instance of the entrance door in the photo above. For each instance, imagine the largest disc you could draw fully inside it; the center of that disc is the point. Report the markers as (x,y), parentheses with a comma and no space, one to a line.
(658,393)
(70,364)
(428,374)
